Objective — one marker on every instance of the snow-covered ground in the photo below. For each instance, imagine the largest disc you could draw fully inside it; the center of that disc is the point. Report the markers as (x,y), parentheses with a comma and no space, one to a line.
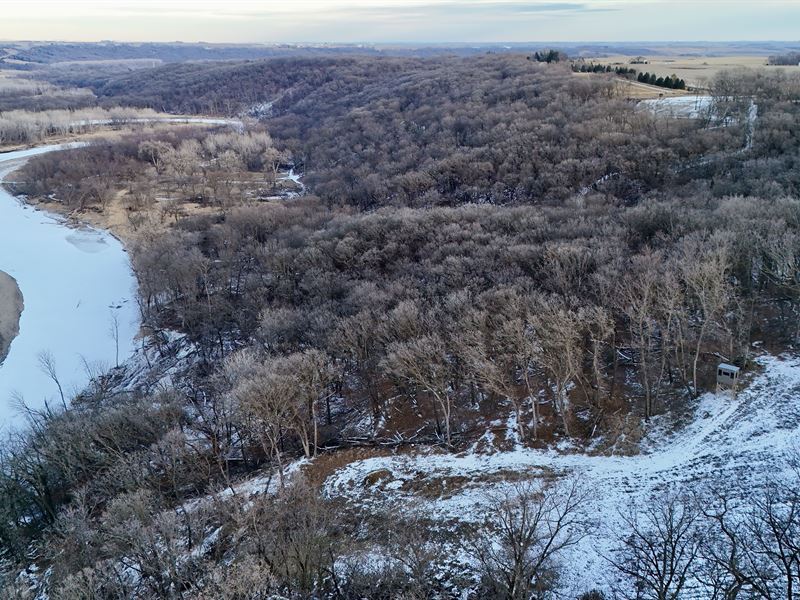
(739,443)
(73,281)
(294,178)
(686,107)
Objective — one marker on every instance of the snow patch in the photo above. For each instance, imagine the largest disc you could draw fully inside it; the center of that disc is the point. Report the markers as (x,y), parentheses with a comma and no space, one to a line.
(739,442)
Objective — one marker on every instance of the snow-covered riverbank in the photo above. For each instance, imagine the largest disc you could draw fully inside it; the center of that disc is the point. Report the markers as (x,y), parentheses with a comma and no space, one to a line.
(76,283)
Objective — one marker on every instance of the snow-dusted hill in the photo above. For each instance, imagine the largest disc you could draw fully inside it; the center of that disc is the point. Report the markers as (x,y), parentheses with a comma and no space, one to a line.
(736,443)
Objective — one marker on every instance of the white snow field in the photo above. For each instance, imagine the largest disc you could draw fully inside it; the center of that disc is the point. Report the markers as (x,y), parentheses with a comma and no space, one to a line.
(736,443)
(685,107)
(73,280)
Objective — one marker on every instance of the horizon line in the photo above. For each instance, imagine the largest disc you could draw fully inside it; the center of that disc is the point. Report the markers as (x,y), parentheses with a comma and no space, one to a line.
(403,43)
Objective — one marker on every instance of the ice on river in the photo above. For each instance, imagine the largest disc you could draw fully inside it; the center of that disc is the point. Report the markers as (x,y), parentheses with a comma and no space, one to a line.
(73,281)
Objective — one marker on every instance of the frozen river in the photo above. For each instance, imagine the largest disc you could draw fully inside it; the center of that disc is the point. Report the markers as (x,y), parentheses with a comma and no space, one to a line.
(76,283)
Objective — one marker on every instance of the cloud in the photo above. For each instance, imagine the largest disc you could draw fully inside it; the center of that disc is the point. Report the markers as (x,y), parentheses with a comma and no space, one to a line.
(354,9)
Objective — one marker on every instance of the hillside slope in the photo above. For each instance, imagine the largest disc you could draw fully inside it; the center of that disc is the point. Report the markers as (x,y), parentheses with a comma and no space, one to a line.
(736,444)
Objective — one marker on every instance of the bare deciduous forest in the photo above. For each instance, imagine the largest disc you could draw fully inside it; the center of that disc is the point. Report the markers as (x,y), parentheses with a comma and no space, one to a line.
(473,238)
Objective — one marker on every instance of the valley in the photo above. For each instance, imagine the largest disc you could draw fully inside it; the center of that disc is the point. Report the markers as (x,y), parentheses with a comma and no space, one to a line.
(326,324)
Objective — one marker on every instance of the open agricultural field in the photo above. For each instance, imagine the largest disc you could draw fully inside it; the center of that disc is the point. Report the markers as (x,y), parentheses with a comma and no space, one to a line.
(635,90)
(696,70)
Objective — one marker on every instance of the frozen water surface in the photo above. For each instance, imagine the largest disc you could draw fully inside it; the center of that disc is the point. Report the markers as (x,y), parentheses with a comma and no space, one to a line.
(73,281)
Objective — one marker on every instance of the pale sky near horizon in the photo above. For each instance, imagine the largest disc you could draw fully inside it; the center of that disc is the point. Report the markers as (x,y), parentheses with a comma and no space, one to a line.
(414,21)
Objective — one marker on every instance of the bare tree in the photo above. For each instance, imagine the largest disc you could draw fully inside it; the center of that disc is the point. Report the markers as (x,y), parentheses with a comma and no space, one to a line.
(559,350)
(358,340)
(753,545)
(726,570)
(154,152)
(293,533)
(600,327)
(638,295)
(658,549)
(412,541)
(528,528)
(264,398)
(310,377)
(47,364)
(705,270)
(113,329)
(489,344)
(426,363)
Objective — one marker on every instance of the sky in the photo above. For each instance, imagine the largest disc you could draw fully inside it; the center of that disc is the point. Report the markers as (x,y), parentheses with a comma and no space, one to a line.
(413,21)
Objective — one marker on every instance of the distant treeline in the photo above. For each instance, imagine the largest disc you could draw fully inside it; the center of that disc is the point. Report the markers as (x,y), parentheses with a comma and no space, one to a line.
(597,68)
(549,56)
(59,52)
(489,238)
(26,127)
(790,58)
(671,82)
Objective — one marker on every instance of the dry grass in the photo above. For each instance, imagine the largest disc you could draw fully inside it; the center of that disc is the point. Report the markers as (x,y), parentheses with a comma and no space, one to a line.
(642,91)
(327,463)
(115,217)
(434,487)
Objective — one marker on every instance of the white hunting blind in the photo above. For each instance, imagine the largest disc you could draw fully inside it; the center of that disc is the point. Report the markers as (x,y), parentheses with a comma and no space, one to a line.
(727,375)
